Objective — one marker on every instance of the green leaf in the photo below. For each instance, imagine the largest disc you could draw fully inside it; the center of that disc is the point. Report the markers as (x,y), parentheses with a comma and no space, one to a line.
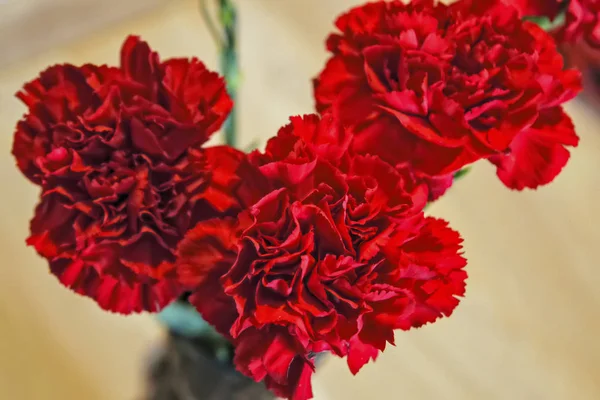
(546,23)
(461,173)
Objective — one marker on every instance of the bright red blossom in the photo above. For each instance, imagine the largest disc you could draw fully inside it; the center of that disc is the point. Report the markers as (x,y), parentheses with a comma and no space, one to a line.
(546,8)
(583,21)
(117,153)
(581,17)
(439,87)
(334,257)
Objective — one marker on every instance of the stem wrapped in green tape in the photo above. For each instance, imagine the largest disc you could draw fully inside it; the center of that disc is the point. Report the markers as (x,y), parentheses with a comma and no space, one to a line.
(225,35)
(546,23)
(229,64)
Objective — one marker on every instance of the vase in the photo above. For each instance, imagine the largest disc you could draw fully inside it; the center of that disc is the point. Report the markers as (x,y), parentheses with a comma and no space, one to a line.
(195,362)
(187,368)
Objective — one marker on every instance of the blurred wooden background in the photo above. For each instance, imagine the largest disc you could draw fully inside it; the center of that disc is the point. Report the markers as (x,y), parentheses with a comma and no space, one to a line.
(527,329)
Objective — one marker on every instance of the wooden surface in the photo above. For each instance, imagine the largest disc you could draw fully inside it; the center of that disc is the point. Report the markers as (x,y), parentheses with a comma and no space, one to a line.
(28,27)
(527,329)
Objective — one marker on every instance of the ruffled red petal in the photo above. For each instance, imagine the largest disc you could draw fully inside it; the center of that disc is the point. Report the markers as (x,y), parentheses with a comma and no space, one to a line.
(538,154)
(583,22)
(277,358)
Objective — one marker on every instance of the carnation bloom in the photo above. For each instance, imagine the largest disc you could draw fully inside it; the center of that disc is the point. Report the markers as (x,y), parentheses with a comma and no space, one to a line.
(581,17)
(583,21)
(546,8)
(334,257)
(439,87)
(117,154)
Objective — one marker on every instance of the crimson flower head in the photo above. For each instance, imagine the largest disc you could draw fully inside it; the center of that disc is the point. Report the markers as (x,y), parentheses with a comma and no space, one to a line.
(117,152)
(333,257)
(538,8)
(583,22)
(580,22)
(439,87)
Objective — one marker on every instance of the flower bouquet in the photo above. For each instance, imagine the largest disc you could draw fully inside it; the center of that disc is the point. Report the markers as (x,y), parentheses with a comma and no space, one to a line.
(261,263)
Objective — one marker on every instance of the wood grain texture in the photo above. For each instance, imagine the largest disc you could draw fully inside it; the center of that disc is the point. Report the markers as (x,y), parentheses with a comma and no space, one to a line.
(28,27)
(527,329)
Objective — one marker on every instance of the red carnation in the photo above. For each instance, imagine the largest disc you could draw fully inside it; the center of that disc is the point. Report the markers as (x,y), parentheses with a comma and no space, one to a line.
(439,87)
(117,153)
(583,21)
(547,8)
(334,257)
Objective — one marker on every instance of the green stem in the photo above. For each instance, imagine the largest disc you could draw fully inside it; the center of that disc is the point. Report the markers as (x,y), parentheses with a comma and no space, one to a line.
(461,172)
(546,23)
(224,34)
(229,63)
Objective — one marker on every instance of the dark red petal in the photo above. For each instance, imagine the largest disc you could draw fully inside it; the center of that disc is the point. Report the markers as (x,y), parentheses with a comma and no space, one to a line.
(275,356)
(338,74)
(235,183)
(211,244)
(538,154)
(433,287)
(114,294)
(140,63)
(216,308)
(359,354)
(438,185)
(196,94)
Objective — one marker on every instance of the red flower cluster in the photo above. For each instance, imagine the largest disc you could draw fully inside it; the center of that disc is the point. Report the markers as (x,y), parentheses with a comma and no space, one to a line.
(439,87)
(583,21)
(319,243)
(545,8)
(117,153)
(334,257)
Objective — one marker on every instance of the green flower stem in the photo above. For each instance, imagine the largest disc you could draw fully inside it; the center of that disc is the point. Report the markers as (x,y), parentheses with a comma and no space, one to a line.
(229,64)
(545,23)
(224,34)
(461,173)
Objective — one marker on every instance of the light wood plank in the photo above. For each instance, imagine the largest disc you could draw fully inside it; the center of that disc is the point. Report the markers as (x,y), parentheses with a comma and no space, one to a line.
(28,27)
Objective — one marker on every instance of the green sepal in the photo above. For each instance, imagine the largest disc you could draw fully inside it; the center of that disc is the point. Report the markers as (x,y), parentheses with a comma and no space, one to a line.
(461,173)
(546,23)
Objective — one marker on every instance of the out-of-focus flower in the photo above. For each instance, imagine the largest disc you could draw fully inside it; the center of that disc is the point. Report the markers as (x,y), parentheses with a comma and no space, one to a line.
(438,87)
